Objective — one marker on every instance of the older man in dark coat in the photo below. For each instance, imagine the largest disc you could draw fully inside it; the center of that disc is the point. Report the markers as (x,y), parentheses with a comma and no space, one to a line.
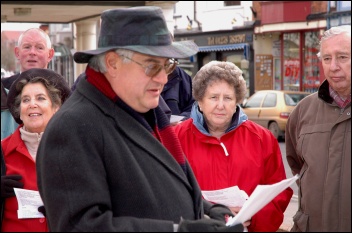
(109,159)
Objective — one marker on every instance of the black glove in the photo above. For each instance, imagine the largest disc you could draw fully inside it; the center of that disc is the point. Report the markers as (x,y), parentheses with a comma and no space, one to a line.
(8,183)
(207,225)
(41,209)
(219,211)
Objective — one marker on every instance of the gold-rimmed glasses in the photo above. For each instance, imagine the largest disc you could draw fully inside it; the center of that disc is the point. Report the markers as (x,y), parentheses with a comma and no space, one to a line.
(152,70)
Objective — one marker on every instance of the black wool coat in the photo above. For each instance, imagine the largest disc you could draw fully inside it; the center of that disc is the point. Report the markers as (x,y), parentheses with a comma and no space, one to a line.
(98,169)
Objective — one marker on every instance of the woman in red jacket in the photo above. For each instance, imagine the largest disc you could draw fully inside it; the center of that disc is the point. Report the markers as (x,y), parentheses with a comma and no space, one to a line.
(32,99)
(226,149)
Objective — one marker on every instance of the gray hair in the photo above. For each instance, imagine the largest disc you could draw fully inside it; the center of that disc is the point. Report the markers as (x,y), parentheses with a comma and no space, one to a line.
(40,31)
(97,62)
(334,31)
(215,71)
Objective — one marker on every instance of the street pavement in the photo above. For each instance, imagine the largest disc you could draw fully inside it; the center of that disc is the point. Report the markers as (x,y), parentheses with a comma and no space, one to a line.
(293,205)
(288,215)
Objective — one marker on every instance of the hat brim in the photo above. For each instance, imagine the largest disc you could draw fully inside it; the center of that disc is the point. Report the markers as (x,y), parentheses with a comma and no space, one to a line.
(179,49)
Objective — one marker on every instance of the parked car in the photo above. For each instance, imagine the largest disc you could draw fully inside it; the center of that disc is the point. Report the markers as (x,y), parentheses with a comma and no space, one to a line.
(271,108)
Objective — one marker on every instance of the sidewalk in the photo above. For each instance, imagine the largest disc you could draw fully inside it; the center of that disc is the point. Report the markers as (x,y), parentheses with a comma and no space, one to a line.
(288,215)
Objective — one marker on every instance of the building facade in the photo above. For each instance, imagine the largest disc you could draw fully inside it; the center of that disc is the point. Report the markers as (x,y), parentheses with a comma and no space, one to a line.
(288,36)
(281,48)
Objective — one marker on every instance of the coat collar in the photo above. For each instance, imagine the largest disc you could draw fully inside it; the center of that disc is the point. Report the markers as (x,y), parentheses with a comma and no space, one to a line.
(134,131)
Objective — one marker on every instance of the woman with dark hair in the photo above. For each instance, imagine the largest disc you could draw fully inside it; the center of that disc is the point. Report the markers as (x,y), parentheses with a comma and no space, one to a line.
(32,100)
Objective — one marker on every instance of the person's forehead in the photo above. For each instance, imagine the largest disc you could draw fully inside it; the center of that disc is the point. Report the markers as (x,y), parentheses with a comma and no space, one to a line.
(34,35)
(340,43)
(344,38)
(33,87)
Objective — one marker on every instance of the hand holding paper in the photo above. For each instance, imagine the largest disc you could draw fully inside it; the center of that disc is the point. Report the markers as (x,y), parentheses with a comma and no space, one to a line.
(231,197)
(28,203)
(261,196)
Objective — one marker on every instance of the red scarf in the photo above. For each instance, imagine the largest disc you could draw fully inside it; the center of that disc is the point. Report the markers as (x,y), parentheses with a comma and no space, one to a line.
(155,120)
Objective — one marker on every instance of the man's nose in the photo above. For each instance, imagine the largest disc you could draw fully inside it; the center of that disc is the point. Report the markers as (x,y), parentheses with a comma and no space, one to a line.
(161,77)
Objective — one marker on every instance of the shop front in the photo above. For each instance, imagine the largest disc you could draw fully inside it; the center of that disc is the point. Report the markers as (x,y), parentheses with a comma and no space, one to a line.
(301,67)
(235,46)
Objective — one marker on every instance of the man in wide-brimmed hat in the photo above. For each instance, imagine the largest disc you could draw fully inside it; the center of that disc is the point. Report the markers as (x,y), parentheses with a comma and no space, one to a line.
(110,161)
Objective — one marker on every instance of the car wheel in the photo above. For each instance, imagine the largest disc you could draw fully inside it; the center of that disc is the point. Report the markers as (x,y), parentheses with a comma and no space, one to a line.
(274,129)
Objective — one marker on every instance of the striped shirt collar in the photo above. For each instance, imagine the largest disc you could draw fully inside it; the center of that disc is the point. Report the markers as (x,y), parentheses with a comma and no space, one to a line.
(342,103)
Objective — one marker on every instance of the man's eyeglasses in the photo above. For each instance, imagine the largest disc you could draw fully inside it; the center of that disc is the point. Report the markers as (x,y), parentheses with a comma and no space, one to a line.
(153,69)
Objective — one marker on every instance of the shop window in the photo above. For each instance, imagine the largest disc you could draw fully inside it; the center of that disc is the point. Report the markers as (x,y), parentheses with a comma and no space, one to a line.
(277,73)
(311,75)
(206,59)
(234,58)
(237,59)
(291,70)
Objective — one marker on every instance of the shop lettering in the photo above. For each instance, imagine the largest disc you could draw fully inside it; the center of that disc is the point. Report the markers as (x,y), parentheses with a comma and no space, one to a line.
(232,39)
(237,39)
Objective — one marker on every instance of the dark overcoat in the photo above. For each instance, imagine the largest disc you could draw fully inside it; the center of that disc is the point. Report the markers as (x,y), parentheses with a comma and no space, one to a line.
(177,93)
(101,170)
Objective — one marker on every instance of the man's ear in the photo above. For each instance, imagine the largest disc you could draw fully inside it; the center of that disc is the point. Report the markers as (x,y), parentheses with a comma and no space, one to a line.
(51,54)
(17,52)
(111,59)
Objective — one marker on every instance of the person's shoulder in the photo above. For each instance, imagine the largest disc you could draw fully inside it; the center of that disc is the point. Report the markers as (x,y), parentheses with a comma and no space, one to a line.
(252,125)
(183,126)
(11,141)
(7,82)
(256,129)
(309,98)
(181,72)
(307,101)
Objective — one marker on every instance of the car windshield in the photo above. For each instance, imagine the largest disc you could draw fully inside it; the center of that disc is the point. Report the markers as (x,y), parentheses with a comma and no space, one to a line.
(292,99)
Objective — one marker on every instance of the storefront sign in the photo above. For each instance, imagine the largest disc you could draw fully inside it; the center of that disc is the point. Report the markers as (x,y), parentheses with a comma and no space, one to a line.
(230,39)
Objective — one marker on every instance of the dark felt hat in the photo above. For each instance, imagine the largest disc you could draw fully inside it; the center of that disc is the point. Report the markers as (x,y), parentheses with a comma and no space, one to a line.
(54,79)
(140,29)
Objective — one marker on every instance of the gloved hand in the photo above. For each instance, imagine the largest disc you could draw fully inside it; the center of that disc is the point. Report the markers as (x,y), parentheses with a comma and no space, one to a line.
(8,183)
(220,212)
(41,209)
(207,225)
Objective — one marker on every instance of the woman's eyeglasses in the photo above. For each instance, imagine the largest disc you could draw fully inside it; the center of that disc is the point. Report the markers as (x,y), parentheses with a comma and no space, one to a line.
(153,69)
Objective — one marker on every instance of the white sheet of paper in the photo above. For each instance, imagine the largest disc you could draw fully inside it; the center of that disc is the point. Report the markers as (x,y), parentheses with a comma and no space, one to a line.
(176,118)
(28,203)
(261,196)
(231,196)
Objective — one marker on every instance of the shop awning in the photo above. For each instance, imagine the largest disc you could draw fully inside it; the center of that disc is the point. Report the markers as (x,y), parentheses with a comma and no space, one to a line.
(226,47)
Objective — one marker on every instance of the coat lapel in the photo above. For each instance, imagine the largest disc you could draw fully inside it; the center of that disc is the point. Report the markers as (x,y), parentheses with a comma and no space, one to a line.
(134,131)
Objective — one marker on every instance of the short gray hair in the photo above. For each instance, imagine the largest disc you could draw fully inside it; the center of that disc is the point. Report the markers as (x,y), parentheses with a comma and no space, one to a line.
(215,71)
(97,62)
(334,31)
(40,31)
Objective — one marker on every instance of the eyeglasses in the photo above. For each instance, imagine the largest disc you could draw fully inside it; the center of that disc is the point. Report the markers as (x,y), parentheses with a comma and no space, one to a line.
(153,69)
